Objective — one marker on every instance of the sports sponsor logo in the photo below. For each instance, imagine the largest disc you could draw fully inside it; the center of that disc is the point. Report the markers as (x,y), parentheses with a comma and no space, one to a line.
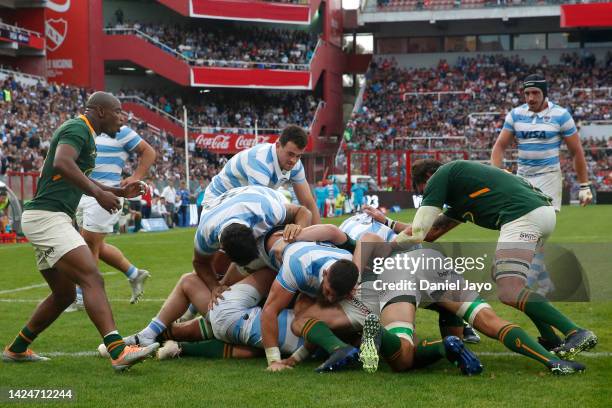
(528,236)
(231,143)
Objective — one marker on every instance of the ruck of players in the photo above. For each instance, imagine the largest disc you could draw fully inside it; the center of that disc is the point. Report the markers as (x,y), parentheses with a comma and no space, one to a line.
(271,281)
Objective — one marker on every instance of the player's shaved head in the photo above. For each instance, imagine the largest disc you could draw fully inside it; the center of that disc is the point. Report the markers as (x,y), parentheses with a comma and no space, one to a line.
(101,98)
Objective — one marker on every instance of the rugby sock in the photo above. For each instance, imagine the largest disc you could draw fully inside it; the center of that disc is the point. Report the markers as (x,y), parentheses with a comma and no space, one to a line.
(22,341)
(154,329)
(539,309)
(114,344)
(390,345)
(209,348)
(517,340)
(205,329)
(317,332)
(428,352)
(548,333)
(132,272)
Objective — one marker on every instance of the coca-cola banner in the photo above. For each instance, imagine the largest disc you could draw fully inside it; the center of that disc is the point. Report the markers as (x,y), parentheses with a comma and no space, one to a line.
(67,34)
(250,10)
(250,78)
(220,143)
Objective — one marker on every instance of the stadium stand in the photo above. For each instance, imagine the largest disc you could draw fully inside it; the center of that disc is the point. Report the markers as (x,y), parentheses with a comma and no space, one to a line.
(238,47)
(235,112)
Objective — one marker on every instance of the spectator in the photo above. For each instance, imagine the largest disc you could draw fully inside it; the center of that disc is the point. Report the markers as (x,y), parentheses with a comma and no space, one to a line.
(358,190)
(320,195)
(169,196)
(199,194)
(4,209)
(183,199)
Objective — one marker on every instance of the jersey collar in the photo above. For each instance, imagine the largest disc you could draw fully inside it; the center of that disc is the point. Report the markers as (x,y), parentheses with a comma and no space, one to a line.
(91,129)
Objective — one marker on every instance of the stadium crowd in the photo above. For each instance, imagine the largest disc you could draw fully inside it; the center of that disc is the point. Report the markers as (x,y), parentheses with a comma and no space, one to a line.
(235,113)
(449,4)
(240,47)
(487,85)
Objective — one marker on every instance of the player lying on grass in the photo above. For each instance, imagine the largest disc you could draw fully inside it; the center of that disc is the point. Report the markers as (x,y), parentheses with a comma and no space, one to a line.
(357,225)
(495,199)
(325,278)
(399,306)
(232,328)
(62,255)
(232,222)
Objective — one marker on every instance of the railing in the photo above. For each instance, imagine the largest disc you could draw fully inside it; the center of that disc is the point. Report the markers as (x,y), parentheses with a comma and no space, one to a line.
(19,29)
(23,75)
(203,129)
(439,93)
(606,89)
(210,62)
(391,5)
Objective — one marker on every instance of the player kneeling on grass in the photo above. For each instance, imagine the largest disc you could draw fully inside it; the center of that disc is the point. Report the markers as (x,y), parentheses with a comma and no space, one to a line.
(495,199)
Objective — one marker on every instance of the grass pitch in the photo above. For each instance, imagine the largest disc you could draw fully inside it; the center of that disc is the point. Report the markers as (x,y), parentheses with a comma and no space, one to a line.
(508,380)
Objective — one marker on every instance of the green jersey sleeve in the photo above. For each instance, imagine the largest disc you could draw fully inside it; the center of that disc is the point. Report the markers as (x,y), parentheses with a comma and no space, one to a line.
(436,188)
(450,213)
(73,136)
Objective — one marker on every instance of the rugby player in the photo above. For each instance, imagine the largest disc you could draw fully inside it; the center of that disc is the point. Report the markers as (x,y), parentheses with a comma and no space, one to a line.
(95,221)
(374,221)
(495,199)
(322,271)
(271,165)
(231,223)
(399,306)
(62,255)
(539,127)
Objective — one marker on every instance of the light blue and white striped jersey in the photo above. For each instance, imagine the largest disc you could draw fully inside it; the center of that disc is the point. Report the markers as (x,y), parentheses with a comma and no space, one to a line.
(257,166)
(247,331)
(112,154)
(359,224)
(259,208)
(304,263)
(539,136)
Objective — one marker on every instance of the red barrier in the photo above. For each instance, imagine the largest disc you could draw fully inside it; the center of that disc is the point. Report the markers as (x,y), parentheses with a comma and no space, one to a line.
(586,15)
(23,184)
(249,78)
(251,10)
(391,168)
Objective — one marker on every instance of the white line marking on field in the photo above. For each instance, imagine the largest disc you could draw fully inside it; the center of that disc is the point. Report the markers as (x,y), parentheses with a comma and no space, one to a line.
(591,354)
(597,354)
(112,300)
(41,285)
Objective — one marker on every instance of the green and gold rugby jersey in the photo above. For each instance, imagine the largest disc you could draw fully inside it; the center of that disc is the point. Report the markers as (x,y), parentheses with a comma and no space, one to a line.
(485,195)
(54,193)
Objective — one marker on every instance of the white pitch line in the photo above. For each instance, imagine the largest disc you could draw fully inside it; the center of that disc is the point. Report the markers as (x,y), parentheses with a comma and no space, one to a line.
(597,354)
(112,300)
(40,285)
